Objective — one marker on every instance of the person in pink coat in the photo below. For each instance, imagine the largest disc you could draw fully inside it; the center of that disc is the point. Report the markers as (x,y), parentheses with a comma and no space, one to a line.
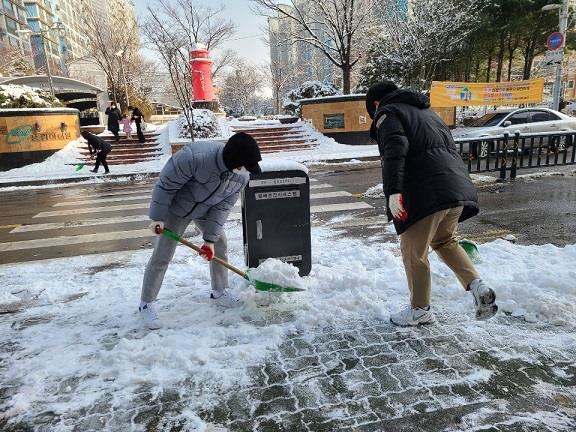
(126,126)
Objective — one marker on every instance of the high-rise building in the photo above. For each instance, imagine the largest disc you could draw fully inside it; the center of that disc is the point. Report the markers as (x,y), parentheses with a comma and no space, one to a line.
(67,46)
(12,19)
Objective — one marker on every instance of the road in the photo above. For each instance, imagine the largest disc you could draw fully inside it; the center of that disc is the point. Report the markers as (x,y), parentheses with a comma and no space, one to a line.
(77,220)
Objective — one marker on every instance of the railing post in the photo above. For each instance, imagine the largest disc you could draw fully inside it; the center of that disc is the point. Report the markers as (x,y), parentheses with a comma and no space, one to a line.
(504,158)
(514,155)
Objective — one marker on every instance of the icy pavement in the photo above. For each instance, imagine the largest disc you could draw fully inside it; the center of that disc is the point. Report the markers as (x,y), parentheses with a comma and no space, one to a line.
(74,356)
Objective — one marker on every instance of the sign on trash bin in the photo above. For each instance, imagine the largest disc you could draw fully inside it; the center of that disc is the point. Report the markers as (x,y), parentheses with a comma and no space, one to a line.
(276,216)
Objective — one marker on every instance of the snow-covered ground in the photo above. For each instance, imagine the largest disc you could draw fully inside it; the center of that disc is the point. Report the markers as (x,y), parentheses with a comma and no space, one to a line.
(76,342)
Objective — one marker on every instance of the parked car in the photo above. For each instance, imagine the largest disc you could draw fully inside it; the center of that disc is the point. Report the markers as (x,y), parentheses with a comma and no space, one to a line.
(524,120)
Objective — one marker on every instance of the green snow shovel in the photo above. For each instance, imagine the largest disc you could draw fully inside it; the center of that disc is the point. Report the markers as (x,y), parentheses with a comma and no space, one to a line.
(259,285)
(471,249)
(79,167)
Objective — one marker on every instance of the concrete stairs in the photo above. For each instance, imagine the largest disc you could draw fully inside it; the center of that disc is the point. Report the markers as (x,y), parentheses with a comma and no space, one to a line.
(126,151)
(279,138)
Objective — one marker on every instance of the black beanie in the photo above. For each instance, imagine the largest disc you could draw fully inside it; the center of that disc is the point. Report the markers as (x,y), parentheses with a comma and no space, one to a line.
(376,93)
(242,150)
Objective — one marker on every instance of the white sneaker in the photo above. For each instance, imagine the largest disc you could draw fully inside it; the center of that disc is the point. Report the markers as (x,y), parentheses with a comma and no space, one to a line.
(484,299)
(150,317)
(225,299)
(409,316)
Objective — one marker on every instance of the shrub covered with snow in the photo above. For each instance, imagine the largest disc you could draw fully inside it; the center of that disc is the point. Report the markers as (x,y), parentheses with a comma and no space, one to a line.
(205,125)
(21,96)
(308,89)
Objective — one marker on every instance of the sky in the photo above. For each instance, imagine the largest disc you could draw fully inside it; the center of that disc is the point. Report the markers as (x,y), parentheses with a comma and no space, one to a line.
(248,38)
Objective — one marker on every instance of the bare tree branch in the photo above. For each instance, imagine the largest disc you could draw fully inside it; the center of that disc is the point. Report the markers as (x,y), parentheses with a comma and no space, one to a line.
(332,26)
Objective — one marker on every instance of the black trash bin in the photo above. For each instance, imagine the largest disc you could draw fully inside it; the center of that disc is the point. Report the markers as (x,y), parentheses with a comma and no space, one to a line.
(276,219)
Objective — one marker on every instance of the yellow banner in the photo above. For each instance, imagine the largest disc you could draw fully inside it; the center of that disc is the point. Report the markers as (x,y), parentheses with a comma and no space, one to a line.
(451,94)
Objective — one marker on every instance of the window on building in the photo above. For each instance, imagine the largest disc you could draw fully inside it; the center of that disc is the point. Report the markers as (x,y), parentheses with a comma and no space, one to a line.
(8,7)
(571,84)
(334,121)
(11,26)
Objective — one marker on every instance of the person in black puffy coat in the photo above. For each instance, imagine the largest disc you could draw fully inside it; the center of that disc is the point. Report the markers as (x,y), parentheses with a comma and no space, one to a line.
(428,191)
(100,147)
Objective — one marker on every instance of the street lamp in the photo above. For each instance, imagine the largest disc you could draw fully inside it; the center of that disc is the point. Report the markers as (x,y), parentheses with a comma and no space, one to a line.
(119,55)
(563,8)
(56,26)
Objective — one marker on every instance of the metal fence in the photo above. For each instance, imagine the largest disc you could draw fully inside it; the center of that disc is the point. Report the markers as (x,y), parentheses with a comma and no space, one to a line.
(509,153)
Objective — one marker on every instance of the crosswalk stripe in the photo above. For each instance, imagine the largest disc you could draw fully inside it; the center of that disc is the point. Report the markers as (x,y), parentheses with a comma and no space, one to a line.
(79,224)
(134,191)
(91,210)
(103,200)
(79,239)
(234,216)
(145,205)
(319,195)
(148,188)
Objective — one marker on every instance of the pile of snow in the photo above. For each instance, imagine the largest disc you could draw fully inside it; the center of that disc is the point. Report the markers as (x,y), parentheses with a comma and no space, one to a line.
(375,191)
(278,272)
(205,125)
(21,96)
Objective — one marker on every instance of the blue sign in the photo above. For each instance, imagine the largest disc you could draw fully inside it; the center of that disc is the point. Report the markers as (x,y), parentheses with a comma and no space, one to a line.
(555,40)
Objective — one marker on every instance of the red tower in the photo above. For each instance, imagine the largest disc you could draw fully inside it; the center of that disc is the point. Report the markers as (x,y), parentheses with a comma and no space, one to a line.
(201,67)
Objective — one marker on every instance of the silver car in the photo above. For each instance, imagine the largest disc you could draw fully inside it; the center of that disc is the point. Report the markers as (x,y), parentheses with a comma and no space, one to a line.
(524,120)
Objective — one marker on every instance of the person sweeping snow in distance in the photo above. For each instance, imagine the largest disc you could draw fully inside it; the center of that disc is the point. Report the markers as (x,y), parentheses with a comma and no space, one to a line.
(428,191)
(100,147)
(200,184)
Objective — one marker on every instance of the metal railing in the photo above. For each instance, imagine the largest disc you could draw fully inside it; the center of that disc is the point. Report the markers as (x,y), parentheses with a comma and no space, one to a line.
(509,153)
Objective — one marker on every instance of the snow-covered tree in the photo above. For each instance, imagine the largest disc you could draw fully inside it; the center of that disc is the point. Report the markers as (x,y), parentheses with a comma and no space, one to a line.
(408,48)
(308,89)
(21,96)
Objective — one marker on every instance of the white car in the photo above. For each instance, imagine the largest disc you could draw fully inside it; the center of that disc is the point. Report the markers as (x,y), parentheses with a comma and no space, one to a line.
(524,120)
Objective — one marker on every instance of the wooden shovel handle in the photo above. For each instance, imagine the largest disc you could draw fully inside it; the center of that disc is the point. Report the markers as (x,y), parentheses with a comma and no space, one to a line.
(171,234)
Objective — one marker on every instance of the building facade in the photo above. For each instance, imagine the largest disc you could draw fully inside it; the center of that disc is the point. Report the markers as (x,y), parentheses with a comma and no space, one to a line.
(63,47)
(12,19)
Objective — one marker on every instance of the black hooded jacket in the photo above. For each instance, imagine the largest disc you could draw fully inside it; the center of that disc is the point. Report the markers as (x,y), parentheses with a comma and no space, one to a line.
(420,160)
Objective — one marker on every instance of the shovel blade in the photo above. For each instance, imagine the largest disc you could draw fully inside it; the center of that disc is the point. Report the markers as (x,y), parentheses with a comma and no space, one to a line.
(270,287)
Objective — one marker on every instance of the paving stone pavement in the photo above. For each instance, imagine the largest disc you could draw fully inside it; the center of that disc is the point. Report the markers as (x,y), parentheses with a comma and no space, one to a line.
(456,375)
(374,377)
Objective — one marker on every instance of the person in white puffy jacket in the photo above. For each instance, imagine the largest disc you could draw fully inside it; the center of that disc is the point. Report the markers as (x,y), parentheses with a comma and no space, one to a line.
(200,184)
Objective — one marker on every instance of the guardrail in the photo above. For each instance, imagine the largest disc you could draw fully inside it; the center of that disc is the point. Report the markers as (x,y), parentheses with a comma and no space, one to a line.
(509,153)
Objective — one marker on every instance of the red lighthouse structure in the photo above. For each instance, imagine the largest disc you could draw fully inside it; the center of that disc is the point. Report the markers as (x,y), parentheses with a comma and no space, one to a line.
(201,67)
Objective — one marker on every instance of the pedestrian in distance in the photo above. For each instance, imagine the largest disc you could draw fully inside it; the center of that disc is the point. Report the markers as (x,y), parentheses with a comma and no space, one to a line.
(428,191)
(100,147)
(200,184)
(138,118)
(114,118)
(127,126)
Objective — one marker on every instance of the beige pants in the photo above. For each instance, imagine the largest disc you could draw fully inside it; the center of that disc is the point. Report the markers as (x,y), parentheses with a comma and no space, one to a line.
(438,231)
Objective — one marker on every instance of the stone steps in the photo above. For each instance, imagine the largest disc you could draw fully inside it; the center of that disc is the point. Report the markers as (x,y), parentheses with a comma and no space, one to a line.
(279,139)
